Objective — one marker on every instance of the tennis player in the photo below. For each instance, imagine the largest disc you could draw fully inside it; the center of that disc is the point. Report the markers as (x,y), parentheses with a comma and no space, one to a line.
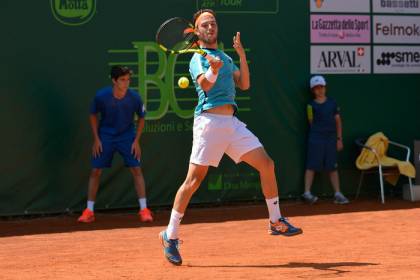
(217,131)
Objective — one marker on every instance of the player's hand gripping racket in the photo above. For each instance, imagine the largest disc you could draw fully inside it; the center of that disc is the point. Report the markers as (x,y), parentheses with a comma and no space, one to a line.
(176,36)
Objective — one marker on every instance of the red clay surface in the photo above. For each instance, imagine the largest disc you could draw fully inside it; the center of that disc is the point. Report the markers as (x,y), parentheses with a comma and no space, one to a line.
(363,240)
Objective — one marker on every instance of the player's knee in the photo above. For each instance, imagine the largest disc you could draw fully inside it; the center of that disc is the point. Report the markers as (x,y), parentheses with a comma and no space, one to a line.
(96,172)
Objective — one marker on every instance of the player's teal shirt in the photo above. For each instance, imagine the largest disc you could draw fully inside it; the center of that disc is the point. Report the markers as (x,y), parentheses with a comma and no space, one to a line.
(223,91)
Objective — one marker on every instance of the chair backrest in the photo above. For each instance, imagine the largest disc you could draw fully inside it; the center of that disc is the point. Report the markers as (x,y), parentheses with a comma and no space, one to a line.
(360,142)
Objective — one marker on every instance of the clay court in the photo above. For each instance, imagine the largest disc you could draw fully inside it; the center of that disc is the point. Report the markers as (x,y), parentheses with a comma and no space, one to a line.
(363,240)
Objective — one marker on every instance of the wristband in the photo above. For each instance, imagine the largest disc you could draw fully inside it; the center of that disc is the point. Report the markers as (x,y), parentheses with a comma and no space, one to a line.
(210,76)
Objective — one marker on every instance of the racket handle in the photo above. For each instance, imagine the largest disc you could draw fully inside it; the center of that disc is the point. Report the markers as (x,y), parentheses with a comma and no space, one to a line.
(205,54)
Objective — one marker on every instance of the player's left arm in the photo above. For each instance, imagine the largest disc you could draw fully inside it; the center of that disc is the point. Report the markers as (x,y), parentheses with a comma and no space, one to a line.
(241,76)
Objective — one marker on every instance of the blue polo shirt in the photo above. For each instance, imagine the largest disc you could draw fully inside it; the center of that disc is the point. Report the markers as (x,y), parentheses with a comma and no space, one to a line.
(117,115)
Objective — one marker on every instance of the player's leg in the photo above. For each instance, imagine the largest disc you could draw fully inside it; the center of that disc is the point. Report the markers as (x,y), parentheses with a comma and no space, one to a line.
(245,146)
(259,159)
(209,145)
(196,174)
(169,237)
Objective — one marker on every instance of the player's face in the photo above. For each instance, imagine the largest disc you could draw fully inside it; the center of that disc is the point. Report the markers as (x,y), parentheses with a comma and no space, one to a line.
(319,91)
(206,28)
(123,82)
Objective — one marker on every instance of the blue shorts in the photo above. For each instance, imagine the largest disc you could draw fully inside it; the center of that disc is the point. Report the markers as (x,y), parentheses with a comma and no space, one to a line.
(123,147)
(322,154)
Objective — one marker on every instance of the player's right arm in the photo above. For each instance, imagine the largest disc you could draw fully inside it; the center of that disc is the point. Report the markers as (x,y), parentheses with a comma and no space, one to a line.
(94,125)
(207,79)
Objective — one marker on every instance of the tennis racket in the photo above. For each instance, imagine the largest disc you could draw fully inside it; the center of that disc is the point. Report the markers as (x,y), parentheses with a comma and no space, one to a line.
(176,36)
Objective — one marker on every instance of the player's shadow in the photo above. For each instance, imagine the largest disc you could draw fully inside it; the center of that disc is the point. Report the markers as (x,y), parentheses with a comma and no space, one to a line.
(336,268)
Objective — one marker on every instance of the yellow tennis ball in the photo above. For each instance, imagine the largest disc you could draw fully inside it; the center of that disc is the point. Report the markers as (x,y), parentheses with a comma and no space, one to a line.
(183,82)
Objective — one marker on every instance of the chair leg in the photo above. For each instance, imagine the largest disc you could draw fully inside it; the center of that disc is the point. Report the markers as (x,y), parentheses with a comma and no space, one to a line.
(410,184)
(381,180)
(362,173)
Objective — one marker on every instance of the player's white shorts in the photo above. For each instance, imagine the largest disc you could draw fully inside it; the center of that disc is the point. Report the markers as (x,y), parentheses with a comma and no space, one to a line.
(215,135)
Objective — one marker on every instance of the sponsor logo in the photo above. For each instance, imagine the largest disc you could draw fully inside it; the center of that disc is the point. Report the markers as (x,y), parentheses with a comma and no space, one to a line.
(340,29)
(73,12)
(347,6)
(318,3)
(396,6)
(397,29)
(231,181)
(388,58)
(397,59)
(407,4)
(338,24)
(340,59)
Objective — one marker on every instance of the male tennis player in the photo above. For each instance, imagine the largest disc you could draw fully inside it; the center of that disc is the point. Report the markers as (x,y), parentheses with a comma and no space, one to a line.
(217,131)
(115,133)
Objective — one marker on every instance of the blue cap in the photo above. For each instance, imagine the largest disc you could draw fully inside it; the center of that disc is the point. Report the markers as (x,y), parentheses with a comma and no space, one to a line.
(318,81)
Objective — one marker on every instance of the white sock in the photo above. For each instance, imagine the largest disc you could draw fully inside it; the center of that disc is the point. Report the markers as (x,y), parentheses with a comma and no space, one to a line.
(273,209)
(338,194)
(307,193)
(90,205)
(173,227)
(142,203)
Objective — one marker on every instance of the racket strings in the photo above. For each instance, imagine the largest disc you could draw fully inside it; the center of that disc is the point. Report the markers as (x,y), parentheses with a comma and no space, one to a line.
(176,34)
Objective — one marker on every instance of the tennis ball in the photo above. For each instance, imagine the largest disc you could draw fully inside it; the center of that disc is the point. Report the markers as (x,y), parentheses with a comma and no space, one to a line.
(183,82)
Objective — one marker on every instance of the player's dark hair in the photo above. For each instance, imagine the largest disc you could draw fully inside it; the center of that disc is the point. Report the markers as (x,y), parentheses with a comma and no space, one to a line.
(202,11)
(119,71)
